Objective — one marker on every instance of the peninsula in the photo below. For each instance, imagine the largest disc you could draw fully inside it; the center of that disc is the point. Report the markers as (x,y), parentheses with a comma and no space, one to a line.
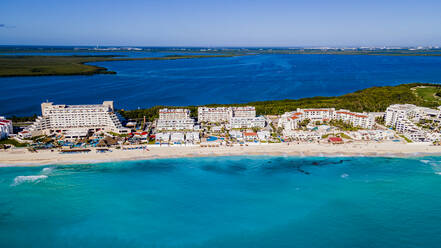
(19,65)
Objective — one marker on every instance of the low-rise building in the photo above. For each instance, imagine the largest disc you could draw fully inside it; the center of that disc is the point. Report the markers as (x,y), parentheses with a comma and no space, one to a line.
(140,135)
(72,134)
(24,134)
(192,137)
(302,135)
(216,129)
(263,135)
(177,138)
(247,122)
(250,136)
(236,134)
(162,137)
(335,140)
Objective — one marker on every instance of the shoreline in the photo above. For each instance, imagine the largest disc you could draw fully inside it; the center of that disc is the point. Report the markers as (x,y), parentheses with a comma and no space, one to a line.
(24,158)
(62,65)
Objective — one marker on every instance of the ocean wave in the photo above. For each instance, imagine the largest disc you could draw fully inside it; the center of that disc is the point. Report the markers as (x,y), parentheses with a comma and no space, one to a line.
(438,173)
(47,170)
(25,179)
(344,175)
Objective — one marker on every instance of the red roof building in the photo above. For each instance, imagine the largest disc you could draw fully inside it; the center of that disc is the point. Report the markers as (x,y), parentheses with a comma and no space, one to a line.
(250,134)
(335,140)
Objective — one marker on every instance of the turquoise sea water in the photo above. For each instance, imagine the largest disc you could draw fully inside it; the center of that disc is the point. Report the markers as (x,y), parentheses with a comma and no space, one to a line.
(216,80)
(225,202)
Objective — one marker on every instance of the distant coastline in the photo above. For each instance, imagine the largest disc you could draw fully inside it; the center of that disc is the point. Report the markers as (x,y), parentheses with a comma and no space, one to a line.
(21,66)
(18,65)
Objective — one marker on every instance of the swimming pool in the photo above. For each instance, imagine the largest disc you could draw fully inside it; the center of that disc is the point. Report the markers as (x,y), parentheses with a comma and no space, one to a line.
(212,138)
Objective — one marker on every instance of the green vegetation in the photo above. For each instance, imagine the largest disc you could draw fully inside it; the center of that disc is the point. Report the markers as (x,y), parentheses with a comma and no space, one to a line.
(344,136)
(373,99)
(406,139)
(304,123)
(12,142)
(325,136)
(11,66)
(16,119)
(118,134)
(256,129)
(39,138)
(21,65)
(49,65)
(345,126)
(428,93)
(380,120)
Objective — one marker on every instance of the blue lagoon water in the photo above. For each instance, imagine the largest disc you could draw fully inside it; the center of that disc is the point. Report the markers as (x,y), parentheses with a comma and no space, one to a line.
(225,202)
(217,80)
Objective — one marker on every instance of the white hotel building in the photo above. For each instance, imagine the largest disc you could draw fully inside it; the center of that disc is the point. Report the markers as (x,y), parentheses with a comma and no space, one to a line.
(76,121)
(219,114)
(245,117)
(237,117)
(5,128)
(245,112)
(291,120)
(247,122)
(403,117)
(400,111)
(363,120)
(174,119)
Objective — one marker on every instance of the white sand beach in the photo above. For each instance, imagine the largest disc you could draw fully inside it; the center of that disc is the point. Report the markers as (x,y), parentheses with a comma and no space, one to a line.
(22,157)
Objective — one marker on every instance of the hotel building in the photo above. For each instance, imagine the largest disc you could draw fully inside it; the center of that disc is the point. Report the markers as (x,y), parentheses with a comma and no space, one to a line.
(224,114)
(76,121)
(174,119)
(237,117)
(291,120)
(5,128)
(322,114)
(219,114)
(399,111)
(245,112)
(246,122)
(362,120)
(403,117)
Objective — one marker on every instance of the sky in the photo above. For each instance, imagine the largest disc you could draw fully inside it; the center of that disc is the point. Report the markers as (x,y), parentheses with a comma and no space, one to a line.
(284,23)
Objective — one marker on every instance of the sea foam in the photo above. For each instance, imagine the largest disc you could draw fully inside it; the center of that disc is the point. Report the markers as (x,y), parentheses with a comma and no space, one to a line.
(32,179)
(47,170)
(344,175)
